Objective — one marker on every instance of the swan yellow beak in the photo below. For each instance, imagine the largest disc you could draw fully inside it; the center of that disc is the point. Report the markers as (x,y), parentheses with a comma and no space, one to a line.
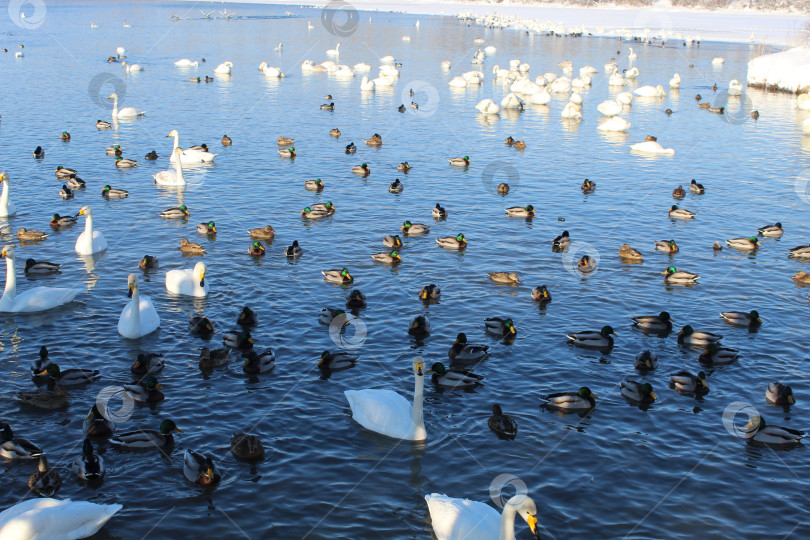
(2,176)
(532,521)
(3,253)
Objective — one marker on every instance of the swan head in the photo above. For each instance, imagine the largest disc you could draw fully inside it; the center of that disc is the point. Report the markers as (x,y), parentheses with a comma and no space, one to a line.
(8,252)
(3,177)
(419,366)
(85,211)
(199,273)
(173,133)
(132,283)
(527,509)
(113,96)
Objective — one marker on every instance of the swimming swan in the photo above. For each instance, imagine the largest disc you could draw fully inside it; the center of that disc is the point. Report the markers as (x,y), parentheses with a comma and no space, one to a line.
(650,91)
(172,178)
(126,112)
(6,208)
(610,107)
(651,147)
(224,68)
(89,241)
(456,519)
(185,62)
(188,156)
(136,323)
(190,282)
(52,518)
(36,299)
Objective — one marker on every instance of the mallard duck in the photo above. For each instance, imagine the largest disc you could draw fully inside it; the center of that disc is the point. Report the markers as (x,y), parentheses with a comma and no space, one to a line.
(696,188)
(404,166)
(361,169)
(500,326)
(311,213)
(147,363)
(715,355)
(259,363)
(540,294)
(667,246)
(200,325)
(452,242)
(195,79)
(70,377)
(110,193)
(673,276)
(328,207)
(246,447)
(337,361)
(414,229)
(293,251)
(636,391)
(328,107)
(419,327)
(520,145)
(581,400)
(103,124)
(801,277)
(30,235)
(65,192)
(802,252)
(686,383)
(439,212)
(392,241)
(12,448)
(757,430)
(562,241)
(64,172)
(678,192)
(62,222)
(509,141)
(208,80)
(655,323)
(52,396)
(351,149)
(680,213)
(375,140)
(147,390)
(341,276)
(256,249)
(628,253)
(247,317)
(287,152)
(385,257)
(74,182)
(40,365)
(207,229)
(430,292)
(262,233)
(600,340)
(124,163)
(503,425)
(586,264)
(226,141)
(151,156)
(65,136)
(452,377)
(212,359)
(147,438)
(504,277)
(521,211)
(238,339)
(771,231)
(697,338)
(334,132)
(45,481)
(646,361)
(396,186)
(741,318)
(328,314)
(356,299)
(744,244)
(178,212)
(717,110)
(503,188)
(460,161)
(461,351)
(314,185)
(97,425)
(40,268)
(114,150)
(149,263)
(588,186)
(192,248)
(401,108)
(89,466)
(779,394)
(39,153)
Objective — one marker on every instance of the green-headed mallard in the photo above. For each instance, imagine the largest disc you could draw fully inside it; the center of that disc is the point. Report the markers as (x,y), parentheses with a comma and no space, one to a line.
(645,361)
(103,124)
(581,400)
(293,251)
(392,241)
(562,241)
(97,425)
(392,257)
(686,383)
(89,466)
(45,481)
(178,212)
(192,248)
(587,264)
(361,170)
(356,299)
(314,185)
(147,363)
(311,213)
(602,339)
(461,351)
(147,390)
(247,317)
(259,363)
(334,132)
(238,339)
(226,141)
(540,294)
(697,338)
(65,136)
(802,252)
(151,156)
(503,188)
(212,359)
(414,229)
(741,318)
(30,235)
(149,262)
(452,242)
(460,161)
(200,469)
(147,438)
(262,233)
(124,163)
(63,172)
(679,192)
(673,276)
(503,425)
(328,314)
(654,323)
(430,292)
(667,246)
(521,211)
(341,276)
(246,447)
(12,448)
(636,391)
(500,326)
(588,186)
(328,207)
(680,213)
(285,141)
(200,325)
(114,150)
(504,277)
(287,152)
(256,249)
(628,253)
(771,231)
(696,188)
(779,394)
(396,186)
(404,166)
(62,222)
(453,378)
(715,355)
(328,107)
(419,327)
(52,396)
(70,377)
(336,361)
(375,140)
(744,244)
(757,430)
(195,79)
(40,268)
(112,193)
(439,212)
(208,229)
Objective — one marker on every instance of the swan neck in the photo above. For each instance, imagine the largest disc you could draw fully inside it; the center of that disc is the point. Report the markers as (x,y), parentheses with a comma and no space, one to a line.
(176,137)
(135,308)
(115,107)
(4,195)
(10,291)
(88,226)
(508,523)
(178,168)
(417,420)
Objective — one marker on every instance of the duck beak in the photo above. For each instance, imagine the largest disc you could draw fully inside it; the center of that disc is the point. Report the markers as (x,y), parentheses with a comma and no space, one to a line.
(213,230)
(594,396)
(791,400)
(157,385)
(250,340)
(749,424)
(614,333)
(512,330)
(44,372)
(652,395)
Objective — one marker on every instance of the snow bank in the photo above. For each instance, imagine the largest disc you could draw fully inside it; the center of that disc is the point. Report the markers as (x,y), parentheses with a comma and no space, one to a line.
(787,70)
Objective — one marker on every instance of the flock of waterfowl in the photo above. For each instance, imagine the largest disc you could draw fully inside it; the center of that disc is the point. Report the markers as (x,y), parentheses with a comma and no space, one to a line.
(380,410)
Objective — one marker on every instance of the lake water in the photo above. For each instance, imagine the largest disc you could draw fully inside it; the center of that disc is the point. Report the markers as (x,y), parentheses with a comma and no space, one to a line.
(672,471)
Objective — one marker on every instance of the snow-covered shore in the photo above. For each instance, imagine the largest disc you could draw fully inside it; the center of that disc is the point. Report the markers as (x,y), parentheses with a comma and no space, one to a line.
(787,70)
(782,29)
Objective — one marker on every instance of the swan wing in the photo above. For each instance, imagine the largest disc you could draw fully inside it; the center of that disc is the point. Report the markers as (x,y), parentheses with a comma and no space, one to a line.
(43,298)
(455,519)
(382,411)
(54,519)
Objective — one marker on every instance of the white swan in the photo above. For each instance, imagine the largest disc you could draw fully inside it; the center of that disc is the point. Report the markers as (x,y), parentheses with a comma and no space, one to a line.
(389,71)
(511,101)
(616,79)
(650,91)
(631,73)
(675,81)
(382,80)
(625,98)
(36,299)
(131,67)
(735,88)
(362,67)
(189,156)
(6,208)
(651,147)
(185,62)
(308,66)
(271,72)
(614,123)
(224,68)
(560,85)
(329,66)
(120,51)
(550,77)
(487,106)
(172,178)
(610,107)
(52,518)
(334,52)
(386,412)
(126,112)
(387,59)
(587,70)
(581,82)
(718,61)
(575,98)
(366,85)
(89,241)
(135,323)
(571,111)
(500,72)
(632,56)
(445,65)
(189,281)
(803,102)
(344,72)
(806,126)
(458,82)
(457,519)
(543,97)
(514,63)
